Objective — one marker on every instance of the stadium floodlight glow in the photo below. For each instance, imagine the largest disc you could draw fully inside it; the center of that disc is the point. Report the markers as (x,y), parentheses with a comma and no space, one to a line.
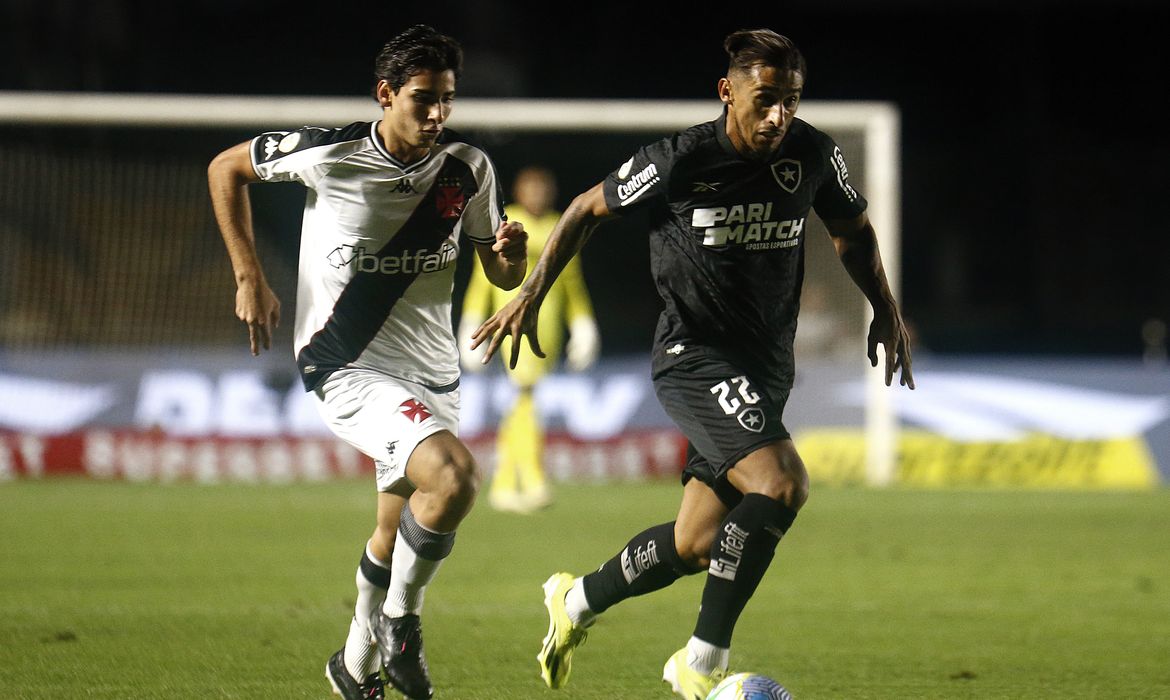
(878,123)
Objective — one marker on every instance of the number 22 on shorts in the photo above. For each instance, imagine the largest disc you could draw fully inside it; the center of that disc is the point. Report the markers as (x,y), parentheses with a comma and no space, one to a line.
(729,403)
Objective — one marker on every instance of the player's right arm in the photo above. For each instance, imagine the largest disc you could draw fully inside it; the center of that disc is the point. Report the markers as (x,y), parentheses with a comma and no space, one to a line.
(228,178)
(518,317)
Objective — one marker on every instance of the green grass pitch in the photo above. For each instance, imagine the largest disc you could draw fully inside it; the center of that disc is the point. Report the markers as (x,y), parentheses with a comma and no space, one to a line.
(116,590)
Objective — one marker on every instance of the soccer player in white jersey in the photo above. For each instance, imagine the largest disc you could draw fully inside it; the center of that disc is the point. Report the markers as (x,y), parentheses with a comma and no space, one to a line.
(386,204)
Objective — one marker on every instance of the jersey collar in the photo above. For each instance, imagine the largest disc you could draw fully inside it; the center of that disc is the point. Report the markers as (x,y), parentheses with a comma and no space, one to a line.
(381,147)
(722,137)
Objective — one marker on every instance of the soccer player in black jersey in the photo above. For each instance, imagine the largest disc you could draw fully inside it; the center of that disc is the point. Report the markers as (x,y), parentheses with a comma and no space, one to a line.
(728,203)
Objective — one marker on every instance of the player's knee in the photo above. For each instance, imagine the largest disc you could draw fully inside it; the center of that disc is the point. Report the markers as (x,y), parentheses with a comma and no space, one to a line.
(795,493)
(788,484)
(694,551)
(457,481)
(696,561)
(791,489)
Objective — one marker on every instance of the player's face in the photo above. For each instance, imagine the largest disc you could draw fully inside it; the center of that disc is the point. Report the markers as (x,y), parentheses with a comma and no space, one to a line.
(535,191)
(761,103)
(415,114)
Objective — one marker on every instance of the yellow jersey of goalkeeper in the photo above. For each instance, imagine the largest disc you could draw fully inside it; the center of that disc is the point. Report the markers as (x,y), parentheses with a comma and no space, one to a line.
(566,301)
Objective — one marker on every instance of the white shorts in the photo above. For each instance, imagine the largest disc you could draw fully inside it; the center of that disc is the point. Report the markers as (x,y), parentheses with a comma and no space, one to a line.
(386,418)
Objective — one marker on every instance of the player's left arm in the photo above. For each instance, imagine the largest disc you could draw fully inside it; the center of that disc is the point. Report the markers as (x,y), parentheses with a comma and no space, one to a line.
(856,243)
(505,260)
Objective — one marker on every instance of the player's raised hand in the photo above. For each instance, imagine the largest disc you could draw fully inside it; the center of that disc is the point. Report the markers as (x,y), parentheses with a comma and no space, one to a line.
(511,242)
(517,318)
(258,307)
(889,330)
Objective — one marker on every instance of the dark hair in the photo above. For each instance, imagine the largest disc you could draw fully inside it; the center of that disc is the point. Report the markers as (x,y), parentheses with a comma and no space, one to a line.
(749,47)
(415,50)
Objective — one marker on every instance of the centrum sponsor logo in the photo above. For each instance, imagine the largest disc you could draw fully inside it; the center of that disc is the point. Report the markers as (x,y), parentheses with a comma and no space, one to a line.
(638,184)
(842,171)
(749,225)
(408,262)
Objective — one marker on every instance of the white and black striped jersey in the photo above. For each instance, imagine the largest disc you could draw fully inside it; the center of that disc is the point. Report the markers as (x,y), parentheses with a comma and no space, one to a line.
(379,242)
(727,239)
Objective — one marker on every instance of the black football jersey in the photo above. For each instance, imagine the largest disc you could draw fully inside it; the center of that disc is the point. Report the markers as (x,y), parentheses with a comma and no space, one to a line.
(727,240)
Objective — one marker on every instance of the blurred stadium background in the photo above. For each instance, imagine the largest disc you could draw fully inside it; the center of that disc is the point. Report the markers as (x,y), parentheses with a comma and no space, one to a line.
(1030,248)
(1026,218)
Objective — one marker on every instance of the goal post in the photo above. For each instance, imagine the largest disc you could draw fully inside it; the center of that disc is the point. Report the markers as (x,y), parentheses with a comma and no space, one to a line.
(870,131)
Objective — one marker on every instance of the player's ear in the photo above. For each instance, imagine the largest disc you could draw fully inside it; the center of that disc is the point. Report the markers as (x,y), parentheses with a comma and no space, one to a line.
(384,93)
(724,90)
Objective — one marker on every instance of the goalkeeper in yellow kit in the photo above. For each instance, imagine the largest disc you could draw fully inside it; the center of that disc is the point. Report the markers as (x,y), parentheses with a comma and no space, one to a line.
(519,483)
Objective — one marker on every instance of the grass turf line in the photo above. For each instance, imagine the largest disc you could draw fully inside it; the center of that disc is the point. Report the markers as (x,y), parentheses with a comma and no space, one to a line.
(116,590)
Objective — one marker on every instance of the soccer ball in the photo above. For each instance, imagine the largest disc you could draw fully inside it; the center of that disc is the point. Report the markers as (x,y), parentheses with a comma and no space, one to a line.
(749,686)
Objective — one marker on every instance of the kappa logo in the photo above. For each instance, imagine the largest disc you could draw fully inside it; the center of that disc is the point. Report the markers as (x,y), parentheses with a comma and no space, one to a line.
(287,144)
(787,172)
(414,410)
(390,447)
(751,419)
(676,349)
(403,186)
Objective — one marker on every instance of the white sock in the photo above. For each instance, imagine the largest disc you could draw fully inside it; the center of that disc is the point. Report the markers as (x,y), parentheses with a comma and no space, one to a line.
(418,553)
(360,659)
(361,656)
(577,607)
(705,657)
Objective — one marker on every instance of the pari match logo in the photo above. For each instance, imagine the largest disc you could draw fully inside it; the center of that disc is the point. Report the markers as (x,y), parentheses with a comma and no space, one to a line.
(750,225)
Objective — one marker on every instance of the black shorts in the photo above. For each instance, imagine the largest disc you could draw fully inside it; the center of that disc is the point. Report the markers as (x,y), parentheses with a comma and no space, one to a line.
(724,416)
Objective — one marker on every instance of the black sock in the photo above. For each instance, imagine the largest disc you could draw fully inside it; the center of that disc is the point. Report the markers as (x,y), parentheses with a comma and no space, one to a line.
(647,563)
(740,555)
